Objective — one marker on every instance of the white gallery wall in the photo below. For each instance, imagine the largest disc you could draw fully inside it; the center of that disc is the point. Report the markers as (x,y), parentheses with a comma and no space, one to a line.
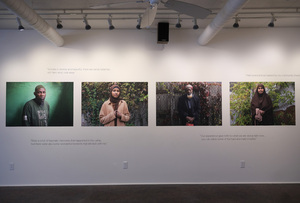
(154,154)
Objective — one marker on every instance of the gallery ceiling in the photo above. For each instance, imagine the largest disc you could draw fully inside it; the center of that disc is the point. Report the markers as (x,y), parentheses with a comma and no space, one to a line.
(125,13)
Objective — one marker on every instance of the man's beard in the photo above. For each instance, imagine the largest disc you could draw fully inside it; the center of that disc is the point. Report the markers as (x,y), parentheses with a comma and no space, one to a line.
(39,101)
(189,95)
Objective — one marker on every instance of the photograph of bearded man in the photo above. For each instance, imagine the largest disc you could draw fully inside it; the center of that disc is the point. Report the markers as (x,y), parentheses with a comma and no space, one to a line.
(189,107)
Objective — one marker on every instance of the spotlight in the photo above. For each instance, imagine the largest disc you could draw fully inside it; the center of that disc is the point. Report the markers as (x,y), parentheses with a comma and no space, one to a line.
(87,26)
(111,27)
(195,27)
(59,25)
(178,25)
(236,22)
(21,28)
(138,26)
(271,24)
(273,19)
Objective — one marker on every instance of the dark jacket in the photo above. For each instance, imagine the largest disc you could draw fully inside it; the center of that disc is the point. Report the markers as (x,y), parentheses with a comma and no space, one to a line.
(189,107)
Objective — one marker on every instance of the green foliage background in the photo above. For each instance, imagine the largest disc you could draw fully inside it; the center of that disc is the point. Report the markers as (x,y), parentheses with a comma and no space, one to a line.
(94,94)
(242,93)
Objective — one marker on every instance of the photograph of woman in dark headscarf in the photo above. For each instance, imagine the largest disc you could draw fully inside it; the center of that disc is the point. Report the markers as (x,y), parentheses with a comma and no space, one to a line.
(114,111)
(261,107)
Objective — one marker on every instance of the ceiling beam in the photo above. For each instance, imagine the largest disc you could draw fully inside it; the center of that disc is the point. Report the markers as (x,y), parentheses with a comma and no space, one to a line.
(22,10)
(225,14)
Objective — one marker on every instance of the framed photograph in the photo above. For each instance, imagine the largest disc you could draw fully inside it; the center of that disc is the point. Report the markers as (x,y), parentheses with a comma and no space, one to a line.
(114,104)
(188,103)
(262,103)
(39,104)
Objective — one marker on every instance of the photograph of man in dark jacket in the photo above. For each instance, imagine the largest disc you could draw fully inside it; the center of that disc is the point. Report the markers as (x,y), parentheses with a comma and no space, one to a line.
(189,107)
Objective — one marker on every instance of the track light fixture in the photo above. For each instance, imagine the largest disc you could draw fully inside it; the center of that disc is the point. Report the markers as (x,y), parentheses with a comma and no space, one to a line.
(111,27)
(236,22)
(178,25)
(138,26)
(58,22)
(273,19)
(21,28)
(195,27)
(87,26)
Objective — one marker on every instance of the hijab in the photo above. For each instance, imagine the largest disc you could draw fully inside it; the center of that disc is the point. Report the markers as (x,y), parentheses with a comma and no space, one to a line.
(113,100)
(260,100)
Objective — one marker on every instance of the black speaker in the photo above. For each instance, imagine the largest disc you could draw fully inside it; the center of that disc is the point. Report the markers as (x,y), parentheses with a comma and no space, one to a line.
(162,33)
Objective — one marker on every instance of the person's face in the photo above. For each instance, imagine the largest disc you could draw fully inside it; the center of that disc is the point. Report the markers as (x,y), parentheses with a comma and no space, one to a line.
(189,90)
(40,94)
(115,93)
(260,90)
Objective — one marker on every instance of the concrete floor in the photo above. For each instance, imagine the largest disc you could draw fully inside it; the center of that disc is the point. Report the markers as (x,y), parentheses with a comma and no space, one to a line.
(257,193)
